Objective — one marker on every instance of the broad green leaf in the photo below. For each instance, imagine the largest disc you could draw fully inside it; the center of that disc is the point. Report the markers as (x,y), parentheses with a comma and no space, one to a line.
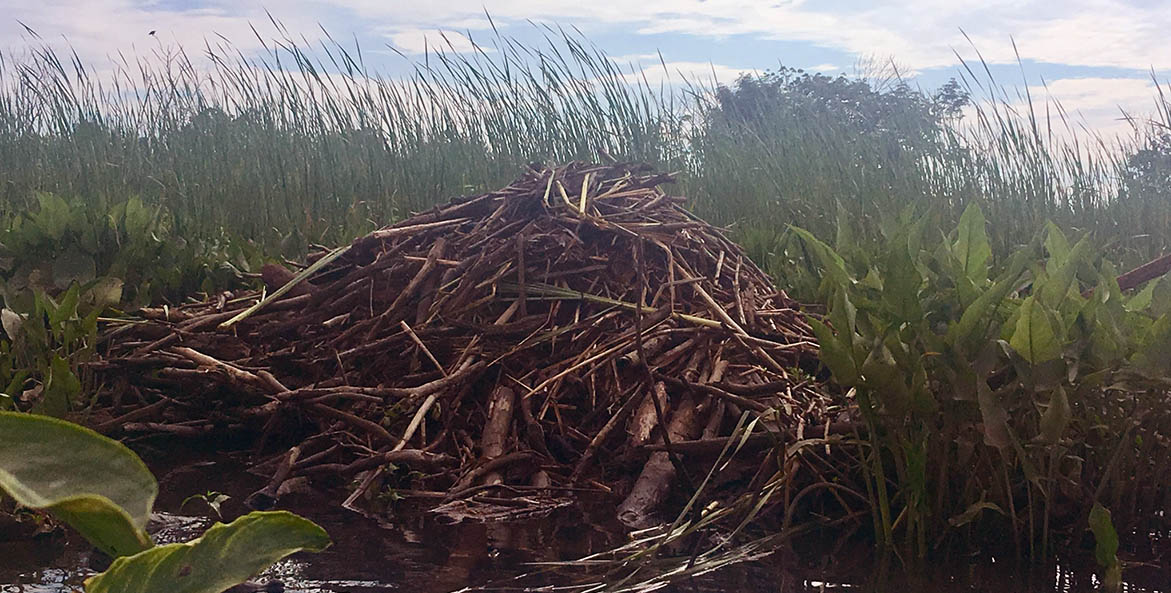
(843,315)
(1054,288)
(994,416)
(968,331)
(93,483)
(107,292)
(971,245)
(886,380)
(833,265)
(67,308)
(902,283)
(1153,357)
(838,358)
(1056,417)
(226,555)
(1106,546)
(60,390)
(53,217)
(1143,298)
(1034,338)
(1056,244)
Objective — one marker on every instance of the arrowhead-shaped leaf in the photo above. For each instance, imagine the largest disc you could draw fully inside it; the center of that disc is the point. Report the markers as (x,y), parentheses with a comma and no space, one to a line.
(226,555)
(1056,417)
(93,483)
(835,355)
(1106,546)
(971,245)
(1034,338)
(994,417)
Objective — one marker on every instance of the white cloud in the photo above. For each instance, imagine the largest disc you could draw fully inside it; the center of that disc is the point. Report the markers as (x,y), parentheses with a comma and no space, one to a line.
(417,41)
(919,33)
(636,58)
(1099,103)
(101,28)
(822,68)
(682,72)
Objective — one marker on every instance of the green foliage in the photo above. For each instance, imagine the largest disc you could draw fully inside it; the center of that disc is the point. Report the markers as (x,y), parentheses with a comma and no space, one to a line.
(65,263)
(127,252)
(1106,547)
(93,483)
(103,490)
(932,348)
(224,556)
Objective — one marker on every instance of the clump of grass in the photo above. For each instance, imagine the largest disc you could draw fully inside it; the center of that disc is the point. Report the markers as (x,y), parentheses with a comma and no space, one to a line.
(312,142)
(307,143)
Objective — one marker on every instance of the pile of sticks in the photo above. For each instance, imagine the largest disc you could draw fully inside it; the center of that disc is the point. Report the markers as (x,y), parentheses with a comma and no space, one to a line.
(550,336)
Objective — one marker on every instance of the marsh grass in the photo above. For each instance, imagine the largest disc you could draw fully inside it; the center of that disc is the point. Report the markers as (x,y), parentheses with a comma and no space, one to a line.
(307,139)
(303,142)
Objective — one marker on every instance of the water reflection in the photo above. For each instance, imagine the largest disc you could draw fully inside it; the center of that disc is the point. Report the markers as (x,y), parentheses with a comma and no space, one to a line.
(415,552)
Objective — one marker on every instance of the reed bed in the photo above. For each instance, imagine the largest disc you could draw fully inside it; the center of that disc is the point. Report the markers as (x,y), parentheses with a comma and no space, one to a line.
(306,143)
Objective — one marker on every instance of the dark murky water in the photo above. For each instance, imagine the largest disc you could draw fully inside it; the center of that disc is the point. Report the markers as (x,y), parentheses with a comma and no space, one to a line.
(417,553)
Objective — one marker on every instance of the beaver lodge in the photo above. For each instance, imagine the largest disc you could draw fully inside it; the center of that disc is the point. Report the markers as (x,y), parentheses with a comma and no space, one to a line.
(575,332)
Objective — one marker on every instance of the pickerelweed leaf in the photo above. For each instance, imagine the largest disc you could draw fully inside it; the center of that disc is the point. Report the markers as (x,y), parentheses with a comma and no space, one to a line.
(994,416)
(226,555)
(93,483)
(971,246)
(1034,338)
(1106,546)
(838,358)
(1056,417)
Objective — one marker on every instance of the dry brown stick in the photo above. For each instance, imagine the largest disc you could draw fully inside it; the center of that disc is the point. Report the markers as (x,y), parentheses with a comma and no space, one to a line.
(414,458)
(644,421)
(492,441)
(754,442)
(408,293)
(173,429)
(231,370)
(131,416)
(392,232)
(265,498)
(372,428)
(713,390)
(1144,273)
(426,351)
(191,325)
(423,390)
(599,438)
(520,273)
(469,480)
(416,421)
(653,484)
(731,323)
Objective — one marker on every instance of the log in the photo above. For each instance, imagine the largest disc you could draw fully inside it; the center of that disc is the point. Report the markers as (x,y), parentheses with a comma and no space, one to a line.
(492,441)
(265,498)
(658,475)
(645,419)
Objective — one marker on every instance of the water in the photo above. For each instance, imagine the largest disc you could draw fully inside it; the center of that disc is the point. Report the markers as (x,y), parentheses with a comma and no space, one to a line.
(414,551)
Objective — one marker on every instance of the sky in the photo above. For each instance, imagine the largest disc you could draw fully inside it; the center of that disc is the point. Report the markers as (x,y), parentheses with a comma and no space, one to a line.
(1096,57)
